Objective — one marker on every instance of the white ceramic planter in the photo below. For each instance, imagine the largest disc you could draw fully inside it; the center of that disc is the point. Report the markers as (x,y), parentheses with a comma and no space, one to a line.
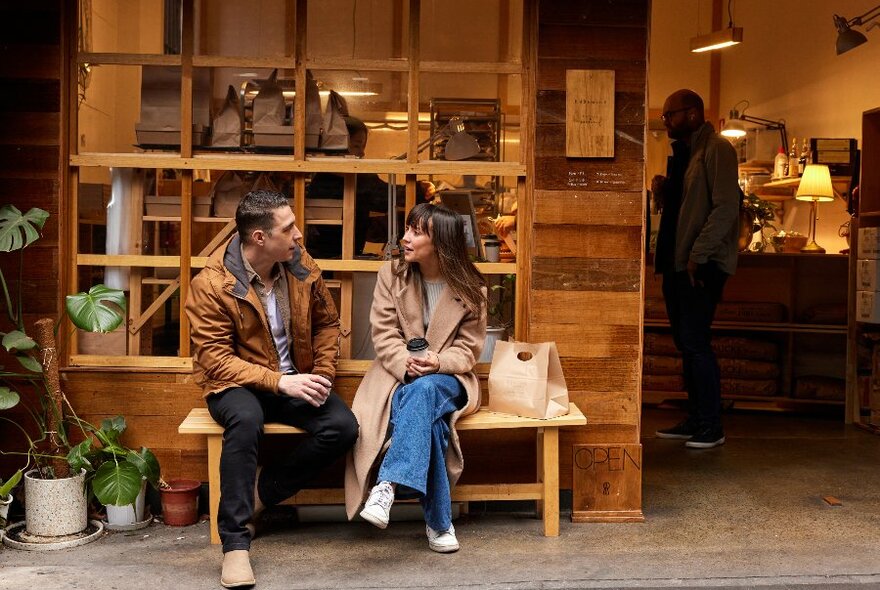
(55,507)
(129,514)
(5,503)
(493,335)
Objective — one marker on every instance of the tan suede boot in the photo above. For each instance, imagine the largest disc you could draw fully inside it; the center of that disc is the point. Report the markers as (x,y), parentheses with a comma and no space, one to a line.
(237,570)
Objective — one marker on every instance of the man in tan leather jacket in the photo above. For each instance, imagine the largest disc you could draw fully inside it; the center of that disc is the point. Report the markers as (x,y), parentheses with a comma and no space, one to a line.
(266,333)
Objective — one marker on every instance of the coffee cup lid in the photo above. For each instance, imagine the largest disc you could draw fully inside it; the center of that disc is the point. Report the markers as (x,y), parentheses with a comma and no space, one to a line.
(416,344)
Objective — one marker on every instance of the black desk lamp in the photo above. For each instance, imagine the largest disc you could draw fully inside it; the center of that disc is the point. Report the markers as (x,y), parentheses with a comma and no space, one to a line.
(734,127)
(846,37)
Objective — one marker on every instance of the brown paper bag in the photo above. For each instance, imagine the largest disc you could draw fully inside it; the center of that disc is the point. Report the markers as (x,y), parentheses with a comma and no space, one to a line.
(269,104)
(526,380)
(228,122)
(227,192)
(334,133)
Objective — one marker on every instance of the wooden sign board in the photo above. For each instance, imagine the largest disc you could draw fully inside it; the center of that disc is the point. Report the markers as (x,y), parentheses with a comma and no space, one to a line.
(589,113)
(607,483)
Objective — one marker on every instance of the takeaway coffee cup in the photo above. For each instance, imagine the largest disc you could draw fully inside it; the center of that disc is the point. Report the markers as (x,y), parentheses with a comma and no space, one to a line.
(417,347)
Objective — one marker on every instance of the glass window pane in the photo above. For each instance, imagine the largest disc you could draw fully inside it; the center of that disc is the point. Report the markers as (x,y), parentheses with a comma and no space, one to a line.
(357,30)
(133,26)
(243,28)
(492,28)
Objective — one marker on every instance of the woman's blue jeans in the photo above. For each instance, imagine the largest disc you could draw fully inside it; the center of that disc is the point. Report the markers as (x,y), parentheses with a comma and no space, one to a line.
(416,458)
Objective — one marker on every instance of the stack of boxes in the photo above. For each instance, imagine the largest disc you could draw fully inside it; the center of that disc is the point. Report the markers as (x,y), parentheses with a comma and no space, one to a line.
(867,273)
(868,305)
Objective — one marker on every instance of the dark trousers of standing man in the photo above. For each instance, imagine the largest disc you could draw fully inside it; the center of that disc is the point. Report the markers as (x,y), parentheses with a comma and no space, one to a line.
(691,309)
(332,430)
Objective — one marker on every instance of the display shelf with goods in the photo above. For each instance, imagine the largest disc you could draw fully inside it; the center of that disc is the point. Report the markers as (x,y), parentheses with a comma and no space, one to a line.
(779,334)
(176,224)
(863,338)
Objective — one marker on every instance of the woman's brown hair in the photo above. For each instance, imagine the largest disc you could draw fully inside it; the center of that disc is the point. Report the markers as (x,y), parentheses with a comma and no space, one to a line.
(446,229)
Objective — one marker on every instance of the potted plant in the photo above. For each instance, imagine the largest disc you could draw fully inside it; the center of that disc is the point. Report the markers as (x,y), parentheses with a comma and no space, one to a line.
(117,474)
(55,466)
(499,314)
(6,496)
(757,216)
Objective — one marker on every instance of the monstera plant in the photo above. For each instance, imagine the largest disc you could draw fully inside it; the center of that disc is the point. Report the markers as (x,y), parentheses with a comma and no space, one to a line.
(59,442)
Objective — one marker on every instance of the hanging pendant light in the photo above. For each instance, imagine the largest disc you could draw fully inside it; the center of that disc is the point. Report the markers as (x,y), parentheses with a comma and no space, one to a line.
(718,39)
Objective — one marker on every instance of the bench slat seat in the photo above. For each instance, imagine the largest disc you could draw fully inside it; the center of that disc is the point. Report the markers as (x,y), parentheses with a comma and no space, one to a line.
(545,490)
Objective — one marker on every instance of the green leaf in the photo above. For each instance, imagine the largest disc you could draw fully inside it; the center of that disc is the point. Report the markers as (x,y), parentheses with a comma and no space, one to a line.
(29,363)
(90,312)
(17,340)
(111,428)
(78,457)
(18,231)
(10,483)
(146,463)
(117,483)
(9,398)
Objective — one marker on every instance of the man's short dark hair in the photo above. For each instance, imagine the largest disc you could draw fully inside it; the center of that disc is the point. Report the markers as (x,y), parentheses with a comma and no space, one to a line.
(256,211)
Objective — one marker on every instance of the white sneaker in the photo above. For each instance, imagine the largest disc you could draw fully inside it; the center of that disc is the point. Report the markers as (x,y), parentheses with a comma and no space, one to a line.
(378,506)
(442,542)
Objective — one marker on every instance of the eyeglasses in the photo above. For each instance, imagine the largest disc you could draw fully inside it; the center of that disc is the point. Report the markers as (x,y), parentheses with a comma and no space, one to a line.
(668,114)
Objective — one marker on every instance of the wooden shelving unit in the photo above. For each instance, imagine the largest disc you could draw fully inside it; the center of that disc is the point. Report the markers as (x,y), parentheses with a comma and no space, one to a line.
(863,404)
(801,283)
(188,159)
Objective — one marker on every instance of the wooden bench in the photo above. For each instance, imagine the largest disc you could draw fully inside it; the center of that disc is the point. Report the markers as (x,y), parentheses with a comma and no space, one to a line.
(545,490)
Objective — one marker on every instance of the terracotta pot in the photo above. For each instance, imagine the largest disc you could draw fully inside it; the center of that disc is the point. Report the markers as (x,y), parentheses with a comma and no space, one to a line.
(180,502)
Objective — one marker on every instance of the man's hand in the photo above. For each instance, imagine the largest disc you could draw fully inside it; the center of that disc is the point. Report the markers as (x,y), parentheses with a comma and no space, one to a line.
(313,389)
(658,183)
(418,367)
(504,224)
(692,274)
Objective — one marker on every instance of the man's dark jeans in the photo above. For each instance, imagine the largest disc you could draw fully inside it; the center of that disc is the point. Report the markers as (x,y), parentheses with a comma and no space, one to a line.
(242,412)
(691,309)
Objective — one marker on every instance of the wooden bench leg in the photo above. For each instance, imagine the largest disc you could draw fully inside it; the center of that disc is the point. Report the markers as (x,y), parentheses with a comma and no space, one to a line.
(215,447)
(550,478)
(539,464)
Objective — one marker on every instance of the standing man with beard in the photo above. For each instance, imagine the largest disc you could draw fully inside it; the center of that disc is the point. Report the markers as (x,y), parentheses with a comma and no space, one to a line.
(696,252)
(266,338)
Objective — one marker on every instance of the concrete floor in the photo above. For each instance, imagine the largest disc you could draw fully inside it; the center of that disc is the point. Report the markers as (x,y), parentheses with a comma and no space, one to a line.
(747,515)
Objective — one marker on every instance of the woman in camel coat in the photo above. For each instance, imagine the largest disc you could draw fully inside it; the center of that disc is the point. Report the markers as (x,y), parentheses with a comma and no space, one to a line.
(407,406)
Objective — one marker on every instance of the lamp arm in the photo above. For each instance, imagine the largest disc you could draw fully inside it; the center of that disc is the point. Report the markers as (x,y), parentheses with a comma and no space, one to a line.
(769,124)
(870,15)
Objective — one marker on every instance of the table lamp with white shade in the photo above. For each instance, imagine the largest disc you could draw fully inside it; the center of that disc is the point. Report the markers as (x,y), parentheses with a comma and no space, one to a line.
(815,187)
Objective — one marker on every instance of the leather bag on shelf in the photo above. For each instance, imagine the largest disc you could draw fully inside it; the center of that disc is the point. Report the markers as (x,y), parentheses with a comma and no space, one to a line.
(526,380)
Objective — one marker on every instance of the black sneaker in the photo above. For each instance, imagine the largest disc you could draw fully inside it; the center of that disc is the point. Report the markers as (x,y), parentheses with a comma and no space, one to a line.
(684,430)
(706,438)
